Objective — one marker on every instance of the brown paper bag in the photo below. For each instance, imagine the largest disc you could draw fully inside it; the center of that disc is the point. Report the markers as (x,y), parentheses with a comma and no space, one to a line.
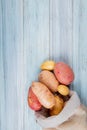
(72,117)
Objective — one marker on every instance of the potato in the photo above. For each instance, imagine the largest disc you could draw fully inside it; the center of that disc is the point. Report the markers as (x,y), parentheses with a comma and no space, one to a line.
(48,65)
(45,97)
(48,78)
(33,101)
(63,90)
(63,73)
(57,108)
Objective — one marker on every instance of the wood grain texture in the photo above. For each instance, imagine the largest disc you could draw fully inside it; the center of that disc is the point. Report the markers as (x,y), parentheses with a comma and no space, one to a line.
(80,48)
(12,43)
(32,31)
(61,30)
(36,48)
(2,80)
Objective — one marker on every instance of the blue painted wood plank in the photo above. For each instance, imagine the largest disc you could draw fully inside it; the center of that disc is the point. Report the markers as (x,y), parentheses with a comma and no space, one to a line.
(61,30)
(30,33)
(80,47)
(36,48)
(54,30)
(13,63)
(83,50)
(2,85)
(76,45)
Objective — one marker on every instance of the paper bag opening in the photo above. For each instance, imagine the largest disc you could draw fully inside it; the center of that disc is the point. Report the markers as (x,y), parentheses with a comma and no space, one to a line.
(65,114)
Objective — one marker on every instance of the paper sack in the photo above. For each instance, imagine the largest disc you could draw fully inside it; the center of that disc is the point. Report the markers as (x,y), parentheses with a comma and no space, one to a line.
(72,117)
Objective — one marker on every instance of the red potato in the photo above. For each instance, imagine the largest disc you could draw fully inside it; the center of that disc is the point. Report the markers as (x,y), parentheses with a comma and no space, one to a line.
(63,73)
(33,101)
(44,95)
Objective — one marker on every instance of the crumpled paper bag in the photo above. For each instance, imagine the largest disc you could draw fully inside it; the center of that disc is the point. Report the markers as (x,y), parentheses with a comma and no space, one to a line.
(72,117)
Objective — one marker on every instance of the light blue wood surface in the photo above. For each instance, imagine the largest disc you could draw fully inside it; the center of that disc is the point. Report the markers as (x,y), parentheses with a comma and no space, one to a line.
(80,48)
(32,31)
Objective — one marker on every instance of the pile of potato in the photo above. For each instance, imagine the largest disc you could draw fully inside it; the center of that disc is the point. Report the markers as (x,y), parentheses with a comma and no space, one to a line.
(51,91)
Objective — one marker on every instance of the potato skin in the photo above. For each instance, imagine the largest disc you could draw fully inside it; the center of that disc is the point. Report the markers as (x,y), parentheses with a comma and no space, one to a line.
(45,97)
(33,101)
(63,90)
(48,65)
(49,79)
(57,108)
(63,73)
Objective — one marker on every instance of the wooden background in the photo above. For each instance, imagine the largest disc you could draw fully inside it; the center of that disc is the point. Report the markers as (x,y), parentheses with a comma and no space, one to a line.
(32,31)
